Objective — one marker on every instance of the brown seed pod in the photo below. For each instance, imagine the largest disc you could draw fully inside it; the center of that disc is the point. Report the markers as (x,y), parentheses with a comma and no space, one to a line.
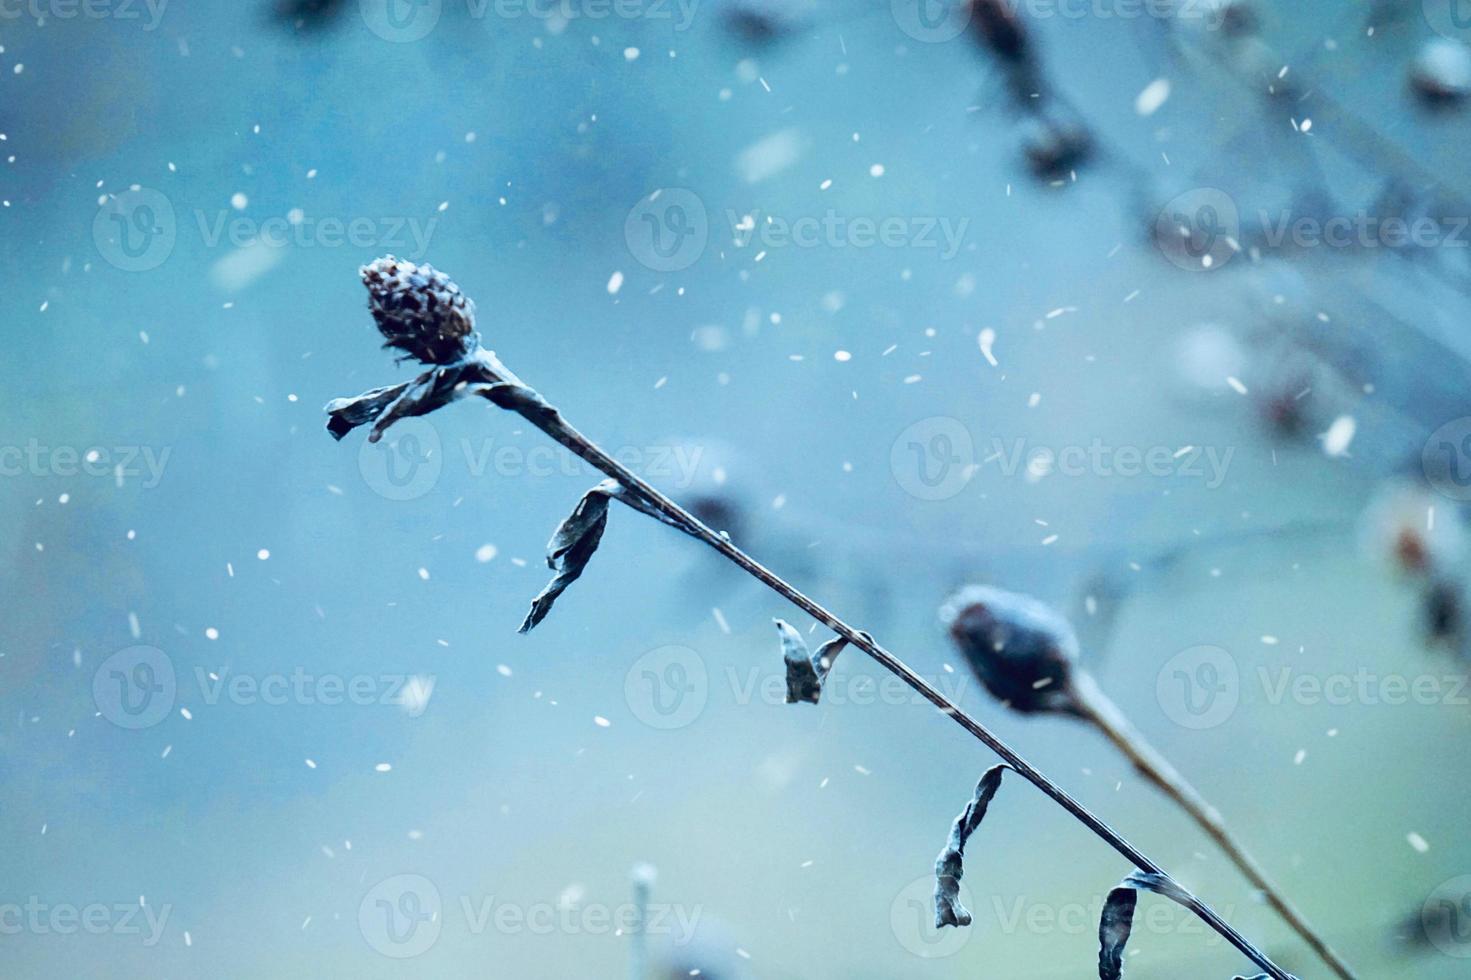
(419,310)
(1019,648)
(1441,73)
(1055,144)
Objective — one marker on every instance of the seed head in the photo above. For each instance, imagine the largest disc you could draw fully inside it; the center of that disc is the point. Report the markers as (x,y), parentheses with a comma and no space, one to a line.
(419,310)
(1019,648)
(1055,144)
(1441,73)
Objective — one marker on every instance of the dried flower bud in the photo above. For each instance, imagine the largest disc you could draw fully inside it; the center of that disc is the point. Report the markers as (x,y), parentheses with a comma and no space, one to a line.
(1441,73)
(419,310)
(1055,144)
(1406,527)
(1020,648)
(1444,614)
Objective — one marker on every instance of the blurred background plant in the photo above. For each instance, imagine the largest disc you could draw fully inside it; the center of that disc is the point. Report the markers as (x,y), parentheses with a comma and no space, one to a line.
(890,423)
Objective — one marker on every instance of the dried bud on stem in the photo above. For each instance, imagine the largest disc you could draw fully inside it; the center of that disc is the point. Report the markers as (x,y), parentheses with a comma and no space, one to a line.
(1026,654)
(1019,648)
(419,310)
(423,313)
(1441,72)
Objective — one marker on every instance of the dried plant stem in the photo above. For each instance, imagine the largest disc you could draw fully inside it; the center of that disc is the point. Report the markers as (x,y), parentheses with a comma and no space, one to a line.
(481,373)
(1102,713)
(638,954)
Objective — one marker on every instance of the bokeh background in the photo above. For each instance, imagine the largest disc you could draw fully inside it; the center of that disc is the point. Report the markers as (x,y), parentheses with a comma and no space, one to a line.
(265,712)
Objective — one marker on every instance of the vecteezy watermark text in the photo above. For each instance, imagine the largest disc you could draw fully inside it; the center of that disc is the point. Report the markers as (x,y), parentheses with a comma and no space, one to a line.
(119,462)
(936,458)
(136,230)
(38,918)
(1201,687)
(403,916)
(834,230)
(147,13)
(409,461)
(406,21)
(938,21)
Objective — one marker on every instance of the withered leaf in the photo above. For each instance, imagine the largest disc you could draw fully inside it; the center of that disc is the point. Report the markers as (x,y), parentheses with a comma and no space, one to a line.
(806,672)
(950,865)
(572,547)
(1117,920)
(346,414)
(803,683)
(1114,927)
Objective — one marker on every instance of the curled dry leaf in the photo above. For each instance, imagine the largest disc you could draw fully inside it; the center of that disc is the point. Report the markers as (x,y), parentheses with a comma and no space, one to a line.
(576,538)
(572,547)
(1117,920)
(950,865)
(806,672)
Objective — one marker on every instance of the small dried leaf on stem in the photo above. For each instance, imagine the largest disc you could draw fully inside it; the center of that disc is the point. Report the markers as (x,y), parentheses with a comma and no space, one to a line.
(950,865)
(806,672)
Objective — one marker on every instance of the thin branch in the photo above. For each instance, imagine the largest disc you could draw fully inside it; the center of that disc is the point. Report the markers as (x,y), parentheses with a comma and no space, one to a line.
(1098,709)
(479,372)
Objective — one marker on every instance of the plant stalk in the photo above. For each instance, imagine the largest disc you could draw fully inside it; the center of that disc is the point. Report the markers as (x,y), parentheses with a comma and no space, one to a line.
(479,372)
(1099,710)
(547,418)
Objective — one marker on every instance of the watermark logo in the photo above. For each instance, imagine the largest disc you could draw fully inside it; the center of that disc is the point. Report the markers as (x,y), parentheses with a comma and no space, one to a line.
(1199,230)
(831,229)
(938,21)
(936,458)
(135,688)
(411,692)
(1446,459)
(1446,917)
(1449,18)
(933,459)
(136,230)
(409,460)
(404,235)
(668,229)
(147,13)
(401,917)
(912,920)
(931,21)
(401,21)
(405,21)
(39,918)
(1363,686)
(406,463)
(1208,464)
(1024,915)
(667,688)
(119,462)
(1199,687)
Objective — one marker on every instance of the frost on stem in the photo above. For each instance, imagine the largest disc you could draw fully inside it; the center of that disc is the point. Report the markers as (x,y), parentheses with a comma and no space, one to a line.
(950,865)
(1020,649)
